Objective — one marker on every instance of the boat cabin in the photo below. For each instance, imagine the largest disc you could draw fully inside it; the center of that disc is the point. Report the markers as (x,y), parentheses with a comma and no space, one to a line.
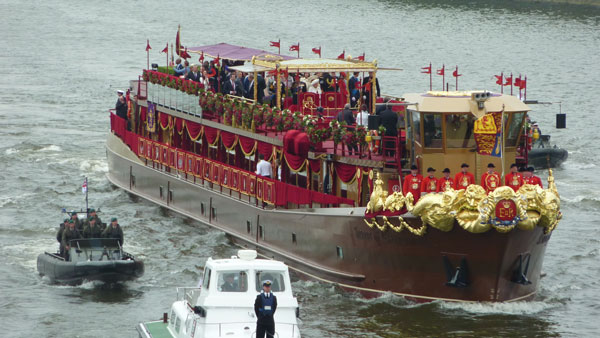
(223,303)
(96,249)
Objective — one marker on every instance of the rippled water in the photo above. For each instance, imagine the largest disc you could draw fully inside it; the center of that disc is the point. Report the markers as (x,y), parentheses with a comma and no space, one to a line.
(62,62)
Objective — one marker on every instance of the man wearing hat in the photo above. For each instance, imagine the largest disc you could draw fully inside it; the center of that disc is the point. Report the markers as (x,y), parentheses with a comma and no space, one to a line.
(78,224)
(121,105)
(429,183)
(229,284)
(69,234)
(264,307)
(113,231)
(412,183)
(61,228)
(92,230)
(514,179)
(94,215)
(530,178)
(464,178)
(490,180)
(446,182)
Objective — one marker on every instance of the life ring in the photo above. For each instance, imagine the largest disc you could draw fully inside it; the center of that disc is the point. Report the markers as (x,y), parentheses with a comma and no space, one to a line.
(374,144)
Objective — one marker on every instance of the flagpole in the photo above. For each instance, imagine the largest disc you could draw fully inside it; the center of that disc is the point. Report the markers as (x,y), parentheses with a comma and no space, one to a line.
(443,76)
(430,78)
(511,84)
(86,198)
(501,82)
(525,93)
(456,77)
(279,47)
(148,54)
(167,64)
(502,139)
(298,50)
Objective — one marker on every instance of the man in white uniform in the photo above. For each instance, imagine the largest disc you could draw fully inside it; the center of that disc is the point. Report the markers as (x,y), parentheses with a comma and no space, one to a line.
(263,168)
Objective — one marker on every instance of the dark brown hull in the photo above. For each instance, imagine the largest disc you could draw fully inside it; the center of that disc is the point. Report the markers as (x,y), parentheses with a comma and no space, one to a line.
(311,240)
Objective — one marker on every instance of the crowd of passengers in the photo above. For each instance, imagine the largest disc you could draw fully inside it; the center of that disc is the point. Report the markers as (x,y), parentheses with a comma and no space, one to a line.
(92,227)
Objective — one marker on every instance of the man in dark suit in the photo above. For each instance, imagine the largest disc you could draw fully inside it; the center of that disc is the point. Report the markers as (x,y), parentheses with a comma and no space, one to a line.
(367,90)
(347,116)
(194,74)
(232,86)
(389,119)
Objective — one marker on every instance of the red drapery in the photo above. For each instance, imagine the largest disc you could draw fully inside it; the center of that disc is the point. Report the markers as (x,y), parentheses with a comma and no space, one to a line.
(212,134)
(179,125)
(143,111)
(346,172)
(194,129)
(315,166)
(266,149)
(228,139)
(248,145)
(294,162)
(164,120)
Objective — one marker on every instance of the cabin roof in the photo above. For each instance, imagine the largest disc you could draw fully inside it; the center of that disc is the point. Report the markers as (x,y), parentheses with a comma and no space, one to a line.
(241,264)
(316,65)
(461,102)
(235,53)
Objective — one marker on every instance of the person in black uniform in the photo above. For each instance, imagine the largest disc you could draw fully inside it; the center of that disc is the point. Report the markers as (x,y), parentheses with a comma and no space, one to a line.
(113,231)
(92,230)
(69,234)
(230,285)
(121,105)
(61,228)
(264,307)
(389,119)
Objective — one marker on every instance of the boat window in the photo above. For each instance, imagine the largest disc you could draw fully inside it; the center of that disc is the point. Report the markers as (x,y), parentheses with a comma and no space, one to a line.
(172,319)
(206,281)
(416,126)
(459,131)
(276,277)
(232,281)
(514,128)
(177,324)
(432,130)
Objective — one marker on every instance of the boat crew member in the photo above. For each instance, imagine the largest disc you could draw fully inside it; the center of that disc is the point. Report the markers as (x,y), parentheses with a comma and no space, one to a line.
(78,223)
(61,229)
(113,231)
(362,118)
(121,105)
(99,223)
(367,91)
(429,183)
(354,89)
(92,229)
(530,178)
(412,183)
(464,178)
(263,168)
(446,182)
(389,119)
(69,234)
(229,285)
(264,307)
(179,69)
(490,180)
(514,179)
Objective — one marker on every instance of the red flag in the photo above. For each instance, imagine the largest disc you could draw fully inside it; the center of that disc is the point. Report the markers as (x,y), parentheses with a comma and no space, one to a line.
(518,82)
(216,61)
(361,57)
(272,72)
(455,73)
(441,71)
(275,44)
(297,77)
(285,74)
(342,56)
(178,43)
(295,47)
(426,70)
(524,83)
(185,54)
(166,49)
(201,59)
(508,80)
(317,51)
(148,45)
(499,80)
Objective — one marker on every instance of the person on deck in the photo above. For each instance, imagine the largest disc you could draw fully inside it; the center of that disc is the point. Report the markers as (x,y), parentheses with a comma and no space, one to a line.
(232,86)
(429,184)
(341,83)
(354,89)
(92,229)
(362,118)
(61,228)
(265,306)
(412,183)
(113,231)
(514,179)
(229,284)
(263,168)
(186,67)
(530,178)
(179,69)
(446,182)
(490,180)
(121,105)
(194,74)
(347,116)
(367,90)
(389,119)
(314,87)
(69,234)
(464,178)
(75,219)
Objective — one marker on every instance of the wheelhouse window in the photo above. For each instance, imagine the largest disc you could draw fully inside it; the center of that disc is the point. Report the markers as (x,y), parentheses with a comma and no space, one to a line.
(206,280)
(276,277)
(432,130)
(416,126)
(514,128)
(233,281)
(459,131)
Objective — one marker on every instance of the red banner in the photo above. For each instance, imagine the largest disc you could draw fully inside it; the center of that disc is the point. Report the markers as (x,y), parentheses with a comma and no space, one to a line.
(189,163)
(199,165)
(180,160)
(164,155)
(207,170)
(142,148)
(172,158)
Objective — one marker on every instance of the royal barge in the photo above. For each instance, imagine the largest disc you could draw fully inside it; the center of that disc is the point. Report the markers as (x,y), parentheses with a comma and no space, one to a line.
(331,214)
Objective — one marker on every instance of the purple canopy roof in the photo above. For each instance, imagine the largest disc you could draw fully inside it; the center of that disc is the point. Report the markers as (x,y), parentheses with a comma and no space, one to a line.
(232,52)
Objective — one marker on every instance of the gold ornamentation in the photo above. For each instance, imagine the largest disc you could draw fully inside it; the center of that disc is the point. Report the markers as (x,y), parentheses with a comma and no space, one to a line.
(378,196)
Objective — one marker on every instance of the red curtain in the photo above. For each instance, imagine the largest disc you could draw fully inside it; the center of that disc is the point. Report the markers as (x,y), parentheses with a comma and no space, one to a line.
(211,134)
(179,125)
(143,111)
(164,120)
(265,149)
(247,144)
(345,172)
(228,139)
(319,197)
(315,166)
(194,129)
(294,162)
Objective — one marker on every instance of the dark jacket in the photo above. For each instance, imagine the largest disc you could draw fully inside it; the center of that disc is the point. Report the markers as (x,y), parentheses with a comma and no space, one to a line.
(69,235)
(366,80)
(389,119)
(92,232)
(116,233)
(263,315)
(196,77)
(228,87)
(121,108)
(346,116)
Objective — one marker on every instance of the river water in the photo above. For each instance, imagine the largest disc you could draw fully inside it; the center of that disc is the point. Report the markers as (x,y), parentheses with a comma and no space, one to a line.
(62,61)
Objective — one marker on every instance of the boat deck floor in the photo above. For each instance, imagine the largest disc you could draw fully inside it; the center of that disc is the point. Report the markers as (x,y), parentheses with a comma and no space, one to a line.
(158,329)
